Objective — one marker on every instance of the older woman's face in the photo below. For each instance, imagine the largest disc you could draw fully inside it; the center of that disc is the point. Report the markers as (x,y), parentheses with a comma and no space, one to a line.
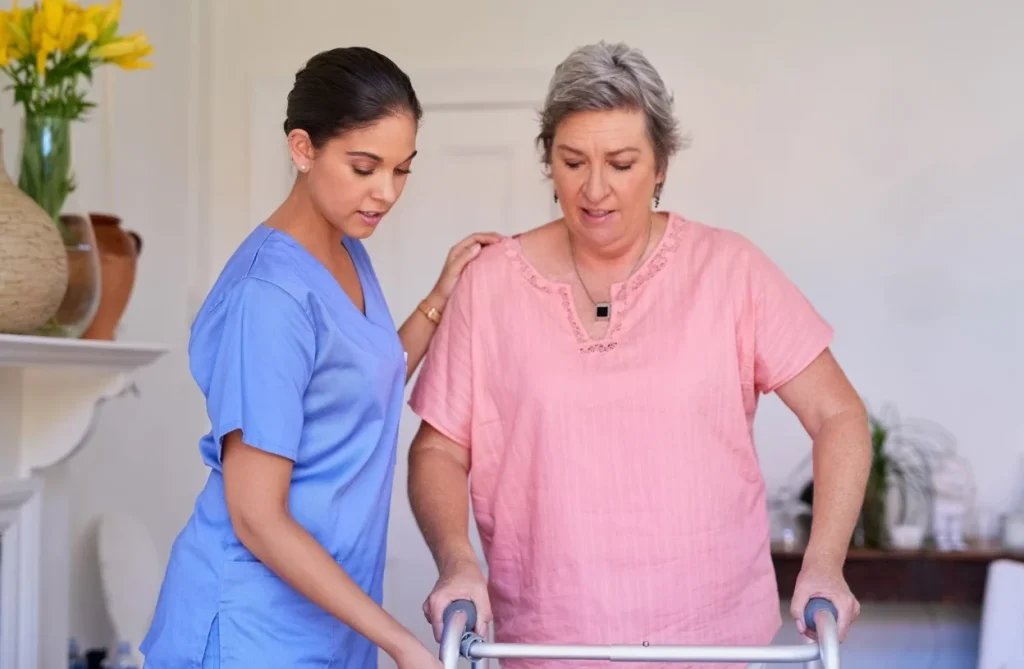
(603,168)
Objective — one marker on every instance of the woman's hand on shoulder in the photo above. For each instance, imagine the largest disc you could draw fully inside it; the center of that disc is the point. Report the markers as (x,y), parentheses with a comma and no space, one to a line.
(459,256)
(821,579)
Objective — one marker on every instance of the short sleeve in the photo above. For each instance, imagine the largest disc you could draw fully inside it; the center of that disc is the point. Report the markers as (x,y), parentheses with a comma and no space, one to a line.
(789,333)
(443,393)
(262,364)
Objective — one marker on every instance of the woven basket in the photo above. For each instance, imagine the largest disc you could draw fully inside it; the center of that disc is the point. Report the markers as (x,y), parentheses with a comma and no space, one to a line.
(33,262)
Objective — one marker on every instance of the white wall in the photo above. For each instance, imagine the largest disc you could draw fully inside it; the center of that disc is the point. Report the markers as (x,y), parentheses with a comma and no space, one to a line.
(873,149)
(137,157)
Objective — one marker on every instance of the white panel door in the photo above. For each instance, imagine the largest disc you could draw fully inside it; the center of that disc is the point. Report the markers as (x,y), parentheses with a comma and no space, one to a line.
(477,170)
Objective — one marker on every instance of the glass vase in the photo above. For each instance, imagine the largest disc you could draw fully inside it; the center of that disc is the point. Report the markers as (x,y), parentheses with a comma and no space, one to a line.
(47,178)
(46,162)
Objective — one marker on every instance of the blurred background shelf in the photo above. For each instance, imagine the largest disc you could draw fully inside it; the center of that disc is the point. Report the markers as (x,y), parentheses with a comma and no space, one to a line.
(907,576)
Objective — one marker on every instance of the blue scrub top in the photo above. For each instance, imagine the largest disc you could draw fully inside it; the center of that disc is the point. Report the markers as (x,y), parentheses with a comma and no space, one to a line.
(282,353)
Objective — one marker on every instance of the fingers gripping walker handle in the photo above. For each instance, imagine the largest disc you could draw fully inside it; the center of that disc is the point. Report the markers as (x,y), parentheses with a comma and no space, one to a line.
(813,606)
(459,619)
(461,606)
(826,627)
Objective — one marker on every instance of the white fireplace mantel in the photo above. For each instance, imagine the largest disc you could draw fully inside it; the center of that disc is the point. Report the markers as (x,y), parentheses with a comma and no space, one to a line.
(50,390)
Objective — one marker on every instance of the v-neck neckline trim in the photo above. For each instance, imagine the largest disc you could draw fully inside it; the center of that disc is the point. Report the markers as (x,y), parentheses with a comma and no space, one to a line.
(623,291)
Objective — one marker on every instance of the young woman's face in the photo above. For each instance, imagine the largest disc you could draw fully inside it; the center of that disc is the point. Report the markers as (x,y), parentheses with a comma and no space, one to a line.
(355,178)
(603,168)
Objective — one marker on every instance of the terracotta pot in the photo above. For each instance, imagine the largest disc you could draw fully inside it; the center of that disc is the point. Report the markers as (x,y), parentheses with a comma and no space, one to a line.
(119,253)
(33,263)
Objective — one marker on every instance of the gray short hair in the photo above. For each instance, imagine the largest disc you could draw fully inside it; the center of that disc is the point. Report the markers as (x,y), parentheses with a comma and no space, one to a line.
(605,77)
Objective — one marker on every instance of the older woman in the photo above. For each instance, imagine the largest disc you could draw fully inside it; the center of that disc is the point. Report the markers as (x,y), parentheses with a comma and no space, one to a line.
(598,376)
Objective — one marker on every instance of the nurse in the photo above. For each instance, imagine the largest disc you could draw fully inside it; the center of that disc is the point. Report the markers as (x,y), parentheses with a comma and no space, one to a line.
(281,563)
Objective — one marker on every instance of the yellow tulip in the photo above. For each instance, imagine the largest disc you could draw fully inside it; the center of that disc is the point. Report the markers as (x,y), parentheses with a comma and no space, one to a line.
(37,29)
(106,18)
(20,46)
(132,64)
(5,39)
(129,45)
(88,26)
(133,61)
(70,29)
(20,20)
(53,13)
(41,43)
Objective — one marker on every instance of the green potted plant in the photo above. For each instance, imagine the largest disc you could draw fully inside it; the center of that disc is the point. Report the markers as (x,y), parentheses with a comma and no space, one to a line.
(903,457)
(899,486)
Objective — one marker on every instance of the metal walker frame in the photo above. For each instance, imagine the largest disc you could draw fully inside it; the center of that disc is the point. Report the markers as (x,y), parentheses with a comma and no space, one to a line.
(459,640)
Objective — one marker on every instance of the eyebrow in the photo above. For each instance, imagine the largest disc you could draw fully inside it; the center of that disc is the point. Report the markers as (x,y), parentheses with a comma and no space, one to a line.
(627,149)
(375,157)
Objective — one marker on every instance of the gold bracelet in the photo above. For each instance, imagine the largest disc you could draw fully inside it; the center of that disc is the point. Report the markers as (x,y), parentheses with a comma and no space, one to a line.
(430,312)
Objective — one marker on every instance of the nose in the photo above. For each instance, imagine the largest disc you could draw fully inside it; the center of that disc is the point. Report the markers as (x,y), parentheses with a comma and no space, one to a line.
(596,187)
(385,191)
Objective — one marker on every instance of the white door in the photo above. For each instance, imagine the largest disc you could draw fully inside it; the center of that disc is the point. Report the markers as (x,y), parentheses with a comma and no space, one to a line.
(477,170)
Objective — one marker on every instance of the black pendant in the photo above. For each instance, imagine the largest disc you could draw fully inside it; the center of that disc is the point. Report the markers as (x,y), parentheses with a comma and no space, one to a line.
(603,311)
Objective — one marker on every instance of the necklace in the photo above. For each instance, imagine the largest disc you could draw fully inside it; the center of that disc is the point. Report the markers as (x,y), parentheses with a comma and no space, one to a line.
(603,310)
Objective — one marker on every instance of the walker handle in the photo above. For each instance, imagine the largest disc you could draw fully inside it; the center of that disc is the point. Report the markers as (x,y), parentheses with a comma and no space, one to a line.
(827,630)
(464,605)
(813,606)
(463,611)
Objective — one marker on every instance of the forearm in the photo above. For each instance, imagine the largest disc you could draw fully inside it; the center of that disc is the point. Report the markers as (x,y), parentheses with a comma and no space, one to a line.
(416,333)
(284,546)
(439,496)
(842,459)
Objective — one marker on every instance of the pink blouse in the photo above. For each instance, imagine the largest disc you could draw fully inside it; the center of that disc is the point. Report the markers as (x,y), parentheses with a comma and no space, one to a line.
(615,484)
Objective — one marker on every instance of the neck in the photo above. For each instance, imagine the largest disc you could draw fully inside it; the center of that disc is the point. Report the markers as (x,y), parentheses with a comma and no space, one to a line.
(299,218)
(622,253)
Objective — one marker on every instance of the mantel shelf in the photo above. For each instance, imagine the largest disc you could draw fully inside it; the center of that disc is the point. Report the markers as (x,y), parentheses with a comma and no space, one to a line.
(50,389)
(25,351)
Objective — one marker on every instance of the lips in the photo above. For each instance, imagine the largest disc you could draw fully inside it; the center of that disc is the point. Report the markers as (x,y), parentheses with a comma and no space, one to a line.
(596,216)
(371,217)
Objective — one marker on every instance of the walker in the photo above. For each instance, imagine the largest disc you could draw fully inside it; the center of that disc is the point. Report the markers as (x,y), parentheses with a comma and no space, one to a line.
(459,640)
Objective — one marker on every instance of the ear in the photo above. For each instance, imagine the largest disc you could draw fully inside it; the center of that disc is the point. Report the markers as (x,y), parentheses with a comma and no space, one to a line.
(301,149)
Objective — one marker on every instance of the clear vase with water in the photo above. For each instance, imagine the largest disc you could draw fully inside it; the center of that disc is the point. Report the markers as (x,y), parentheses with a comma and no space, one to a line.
(46,176)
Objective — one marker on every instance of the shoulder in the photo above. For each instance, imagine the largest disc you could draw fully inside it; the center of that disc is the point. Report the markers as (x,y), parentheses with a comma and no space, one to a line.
(720,250)
(251,318)
(717,242)
(261,282)
(491,266)
(266,267)
(257,306)
(277,263)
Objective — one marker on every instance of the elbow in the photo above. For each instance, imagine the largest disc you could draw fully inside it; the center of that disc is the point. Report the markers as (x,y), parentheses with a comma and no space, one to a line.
(849,418)
(254,522)
(435,461)
(430,447)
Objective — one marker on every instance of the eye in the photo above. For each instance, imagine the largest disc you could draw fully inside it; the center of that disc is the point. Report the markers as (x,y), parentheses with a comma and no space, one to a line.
(403,170)
(572,165)
(623,168)
(362,172)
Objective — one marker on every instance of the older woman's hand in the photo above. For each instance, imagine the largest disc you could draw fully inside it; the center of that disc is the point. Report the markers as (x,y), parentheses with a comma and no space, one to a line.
(462,579)
(818,579)
(458,257)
